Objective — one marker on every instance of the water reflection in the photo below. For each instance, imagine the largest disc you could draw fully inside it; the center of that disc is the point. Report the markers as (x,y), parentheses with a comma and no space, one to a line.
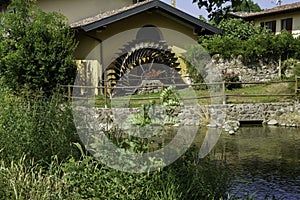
(263,161)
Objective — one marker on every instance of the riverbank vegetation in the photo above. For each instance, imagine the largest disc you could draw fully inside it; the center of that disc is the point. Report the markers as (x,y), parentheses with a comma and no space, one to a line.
(87,179)
(39,160)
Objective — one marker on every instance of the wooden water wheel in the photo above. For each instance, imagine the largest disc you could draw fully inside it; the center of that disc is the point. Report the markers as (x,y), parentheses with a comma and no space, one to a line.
(140,60)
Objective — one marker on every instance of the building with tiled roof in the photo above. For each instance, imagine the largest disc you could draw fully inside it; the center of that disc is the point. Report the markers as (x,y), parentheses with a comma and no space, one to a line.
(284,17)
(109,32)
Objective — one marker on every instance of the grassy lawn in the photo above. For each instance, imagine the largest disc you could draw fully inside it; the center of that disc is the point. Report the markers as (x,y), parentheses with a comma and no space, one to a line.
(232,96)
(268,90)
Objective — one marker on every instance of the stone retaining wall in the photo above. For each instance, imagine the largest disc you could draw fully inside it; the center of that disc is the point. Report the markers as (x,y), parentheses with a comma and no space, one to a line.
(251,72)
(214,114)
(258,111)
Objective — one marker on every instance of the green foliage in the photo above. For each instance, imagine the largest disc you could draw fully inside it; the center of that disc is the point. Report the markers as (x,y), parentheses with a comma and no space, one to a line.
(292,65)
(169,98)
(38,127)
(203,179)
(226,46)
(251,42)
(87,179)
(247,6)
(212,5)
(170,102)
(237,28)
(231,77)
(237,38)
(218,11)
(196,59)
(142,118)
(127,141)
(187,178)
(36,49)
(297,70)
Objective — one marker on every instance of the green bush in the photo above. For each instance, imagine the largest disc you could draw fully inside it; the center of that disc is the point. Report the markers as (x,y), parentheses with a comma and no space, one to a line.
(231,77)
(36,48)
(291,64)
(38,127)
(251,42)
(237,28)
(296,69)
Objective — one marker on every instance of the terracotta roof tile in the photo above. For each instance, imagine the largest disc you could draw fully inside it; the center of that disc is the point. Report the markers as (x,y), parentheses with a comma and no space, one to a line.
(105,14)
(277,9)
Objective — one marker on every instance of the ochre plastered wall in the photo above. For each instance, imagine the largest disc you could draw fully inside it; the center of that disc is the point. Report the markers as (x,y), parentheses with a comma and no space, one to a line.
(119,33)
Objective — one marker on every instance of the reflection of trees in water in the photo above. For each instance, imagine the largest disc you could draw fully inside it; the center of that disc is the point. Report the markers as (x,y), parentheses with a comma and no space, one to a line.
(262,161)
(267,149)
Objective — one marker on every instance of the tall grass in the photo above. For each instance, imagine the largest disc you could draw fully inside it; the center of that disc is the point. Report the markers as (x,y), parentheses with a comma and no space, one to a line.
(87,179)
(38,127)
(29,180)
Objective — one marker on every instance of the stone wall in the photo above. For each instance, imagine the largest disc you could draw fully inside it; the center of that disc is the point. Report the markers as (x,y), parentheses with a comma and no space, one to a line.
(250,72)
(213,114)
(258,111)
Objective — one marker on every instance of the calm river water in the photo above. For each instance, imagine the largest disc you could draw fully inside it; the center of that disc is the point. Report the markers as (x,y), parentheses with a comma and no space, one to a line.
(264,162)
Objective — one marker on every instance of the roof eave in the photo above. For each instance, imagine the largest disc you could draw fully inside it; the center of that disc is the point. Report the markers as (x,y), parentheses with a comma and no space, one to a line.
(259,15)
(117,17)
(189,18)
(147,6)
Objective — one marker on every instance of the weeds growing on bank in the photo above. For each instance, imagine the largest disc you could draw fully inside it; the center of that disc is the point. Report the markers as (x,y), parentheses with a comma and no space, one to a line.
(88,179)
(27,179)
(36,126)
(38,160)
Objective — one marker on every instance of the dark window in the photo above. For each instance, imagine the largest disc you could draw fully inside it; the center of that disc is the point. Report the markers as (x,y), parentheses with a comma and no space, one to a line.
(272,26)
(262,24)
(287,24)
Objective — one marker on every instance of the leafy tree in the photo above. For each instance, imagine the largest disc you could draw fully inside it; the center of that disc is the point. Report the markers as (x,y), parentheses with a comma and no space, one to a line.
(218,11)
(252,42)
(36,48)
(237,28)
(247,6)
(233,41)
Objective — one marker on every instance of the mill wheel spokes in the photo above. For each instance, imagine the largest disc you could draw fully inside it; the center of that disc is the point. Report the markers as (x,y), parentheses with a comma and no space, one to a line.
(141,60)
